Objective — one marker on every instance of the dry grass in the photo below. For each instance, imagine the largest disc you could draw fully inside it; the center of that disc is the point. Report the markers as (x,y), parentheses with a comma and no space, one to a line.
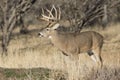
(30,51)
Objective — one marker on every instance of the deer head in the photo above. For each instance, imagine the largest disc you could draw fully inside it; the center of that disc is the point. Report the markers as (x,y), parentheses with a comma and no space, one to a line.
(52,17)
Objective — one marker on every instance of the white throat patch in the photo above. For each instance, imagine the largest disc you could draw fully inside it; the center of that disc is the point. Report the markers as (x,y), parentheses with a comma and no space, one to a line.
(56,26)
(50,37)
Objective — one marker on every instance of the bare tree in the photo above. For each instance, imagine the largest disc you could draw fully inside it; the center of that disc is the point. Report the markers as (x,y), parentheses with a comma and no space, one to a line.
(11,9)
(83,13)
(23,27)
(110,12)
(80,13)
(112,9)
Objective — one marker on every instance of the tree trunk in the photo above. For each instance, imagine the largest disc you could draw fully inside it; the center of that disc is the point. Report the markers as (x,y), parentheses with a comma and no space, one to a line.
(105,17)
(23,28)
(5,42)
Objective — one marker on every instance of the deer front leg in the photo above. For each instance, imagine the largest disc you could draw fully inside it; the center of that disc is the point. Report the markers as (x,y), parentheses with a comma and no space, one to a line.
(64,53)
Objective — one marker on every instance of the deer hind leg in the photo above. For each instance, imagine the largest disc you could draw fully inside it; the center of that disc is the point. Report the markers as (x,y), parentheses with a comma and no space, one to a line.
(97,53)
(92,55)
(95,56)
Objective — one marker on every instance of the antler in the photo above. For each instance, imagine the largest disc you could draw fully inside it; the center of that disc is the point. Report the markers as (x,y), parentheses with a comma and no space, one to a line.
(50,16)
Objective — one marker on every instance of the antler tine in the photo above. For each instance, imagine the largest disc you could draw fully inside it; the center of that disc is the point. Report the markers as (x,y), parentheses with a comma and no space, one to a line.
(50,13)
(43,16)
(43,11)
(55,11)
(51,10)
(59,15)
(47,18)
(50,18)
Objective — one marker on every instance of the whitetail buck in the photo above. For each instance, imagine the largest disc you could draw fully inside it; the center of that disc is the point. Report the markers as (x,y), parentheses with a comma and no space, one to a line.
(72,44)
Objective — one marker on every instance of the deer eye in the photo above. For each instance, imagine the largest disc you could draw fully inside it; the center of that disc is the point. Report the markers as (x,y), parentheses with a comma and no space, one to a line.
(47,29)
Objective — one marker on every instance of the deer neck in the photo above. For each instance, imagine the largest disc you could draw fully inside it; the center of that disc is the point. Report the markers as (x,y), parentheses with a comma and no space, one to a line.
(57,38)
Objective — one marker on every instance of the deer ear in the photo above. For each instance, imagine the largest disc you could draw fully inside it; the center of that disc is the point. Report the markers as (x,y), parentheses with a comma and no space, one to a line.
(56,26)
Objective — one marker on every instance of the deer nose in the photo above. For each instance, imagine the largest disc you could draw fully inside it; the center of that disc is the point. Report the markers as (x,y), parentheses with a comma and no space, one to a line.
(40,34)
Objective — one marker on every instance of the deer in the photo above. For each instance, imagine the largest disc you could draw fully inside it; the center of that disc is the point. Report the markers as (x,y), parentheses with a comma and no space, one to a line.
(70,43)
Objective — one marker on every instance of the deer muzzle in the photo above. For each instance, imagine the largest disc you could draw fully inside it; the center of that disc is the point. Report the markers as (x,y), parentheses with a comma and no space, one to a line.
(40,34)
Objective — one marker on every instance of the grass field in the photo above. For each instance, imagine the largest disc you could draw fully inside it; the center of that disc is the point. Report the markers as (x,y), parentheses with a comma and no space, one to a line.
(34,58)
